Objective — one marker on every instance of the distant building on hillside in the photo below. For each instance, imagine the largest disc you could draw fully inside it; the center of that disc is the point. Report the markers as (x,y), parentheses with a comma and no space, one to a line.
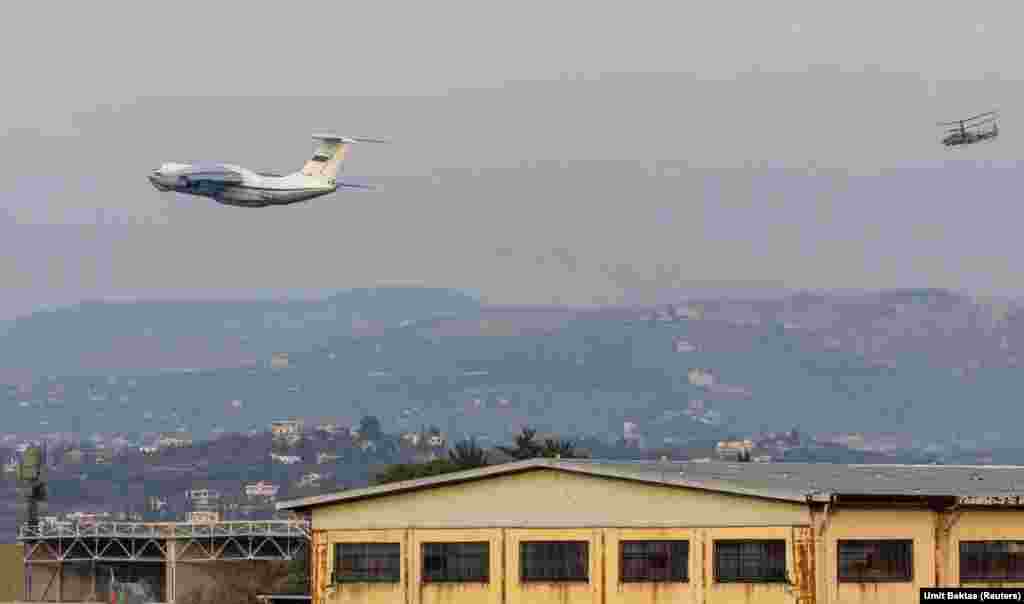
(104,455)
(631,436)
(328,428)
(174,440)
(202,498)
(285,428)
(702,378)
(262,489)
(279,360)
(325,457)
(285,459)
(734,450)
(202,516)
(310,479)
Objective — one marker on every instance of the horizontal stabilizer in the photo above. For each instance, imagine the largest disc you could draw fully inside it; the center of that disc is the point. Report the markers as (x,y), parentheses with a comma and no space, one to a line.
(334,138)
(349,185)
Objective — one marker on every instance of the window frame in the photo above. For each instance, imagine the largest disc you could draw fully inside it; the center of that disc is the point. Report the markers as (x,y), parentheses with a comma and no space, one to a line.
(392,560)
(766,544)
(449,550)
(969,578)
(907,557)
(567,562)
(677,571)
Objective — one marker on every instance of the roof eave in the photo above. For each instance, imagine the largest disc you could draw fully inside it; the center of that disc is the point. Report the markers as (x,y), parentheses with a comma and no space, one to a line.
(414,485)
(535,463)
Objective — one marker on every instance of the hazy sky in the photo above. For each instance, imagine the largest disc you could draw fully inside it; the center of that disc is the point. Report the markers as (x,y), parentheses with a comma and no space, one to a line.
(544,151)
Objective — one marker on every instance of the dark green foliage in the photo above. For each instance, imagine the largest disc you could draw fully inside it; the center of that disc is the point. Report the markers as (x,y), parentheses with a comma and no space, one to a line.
(412,471)
(297,581)
(468,455)
(526,447)
(369,428)
(563,449)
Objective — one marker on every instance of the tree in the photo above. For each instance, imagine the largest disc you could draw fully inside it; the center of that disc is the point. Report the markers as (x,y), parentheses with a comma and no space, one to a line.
(526,447)
(297,581)
(468,455)
(563,449)
(412,471)
(369,428)
(465,456)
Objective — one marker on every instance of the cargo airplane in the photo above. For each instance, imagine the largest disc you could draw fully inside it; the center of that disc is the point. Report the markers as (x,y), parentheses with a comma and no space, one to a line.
(236,186)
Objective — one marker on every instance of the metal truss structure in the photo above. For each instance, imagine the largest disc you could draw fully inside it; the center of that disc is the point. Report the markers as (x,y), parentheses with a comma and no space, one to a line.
(148,541)
(167,543)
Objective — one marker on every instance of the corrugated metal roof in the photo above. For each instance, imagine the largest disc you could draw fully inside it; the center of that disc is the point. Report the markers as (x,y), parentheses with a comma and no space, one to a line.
(780,481)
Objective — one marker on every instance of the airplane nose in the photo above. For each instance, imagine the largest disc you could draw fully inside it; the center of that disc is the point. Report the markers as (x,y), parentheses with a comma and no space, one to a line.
(158,181)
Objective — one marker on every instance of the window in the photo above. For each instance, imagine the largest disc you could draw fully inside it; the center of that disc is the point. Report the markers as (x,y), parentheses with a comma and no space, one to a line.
(367,563)
(870,561)
(750,561)
(554,560)
(654,560)
(992,560)
(468,562)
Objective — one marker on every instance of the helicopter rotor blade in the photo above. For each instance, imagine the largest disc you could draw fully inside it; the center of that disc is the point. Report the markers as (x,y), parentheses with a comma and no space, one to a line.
(964,121)
(970,126)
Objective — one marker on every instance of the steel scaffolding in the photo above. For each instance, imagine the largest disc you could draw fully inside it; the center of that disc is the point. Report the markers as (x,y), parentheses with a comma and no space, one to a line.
(159,542)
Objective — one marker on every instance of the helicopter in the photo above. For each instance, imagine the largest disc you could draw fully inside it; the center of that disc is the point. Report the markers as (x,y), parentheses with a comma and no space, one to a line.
(968,131)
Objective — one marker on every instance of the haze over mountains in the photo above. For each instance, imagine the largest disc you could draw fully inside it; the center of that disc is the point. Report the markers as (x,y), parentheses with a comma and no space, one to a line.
(937,365)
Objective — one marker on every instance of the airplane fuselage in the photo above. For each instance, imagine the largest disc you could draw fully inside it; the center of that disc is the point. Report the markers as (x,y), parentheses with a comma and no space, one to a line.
(233,185)
(968,138)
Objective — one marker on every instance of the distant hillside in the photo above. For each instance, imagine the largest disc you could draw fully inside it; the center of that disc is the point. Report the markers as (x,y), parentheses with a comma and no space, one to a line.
(929,363)
(99,338)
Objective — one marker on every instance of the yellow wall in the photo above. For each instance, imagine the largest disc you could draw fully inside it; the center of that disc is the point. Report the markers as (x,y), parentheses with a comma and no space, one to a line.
(547,504)
(12,572)
(846,523)
(759,593)
(505,585)
(546,498)
(449,593)
(366,593)
(551,504)
(980,525)
(560,592)
(617,592)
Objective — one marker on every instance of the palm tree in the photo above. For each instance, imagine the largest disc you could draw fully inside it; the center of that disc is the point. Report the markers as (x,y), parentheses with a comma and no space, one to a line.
(467,455)
(526,447)
(560,448)
(412,471)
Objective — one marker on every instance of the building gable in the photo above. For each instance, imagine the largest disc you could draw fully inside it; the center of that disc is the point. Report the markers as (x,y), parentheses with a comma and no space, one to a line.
(549,497)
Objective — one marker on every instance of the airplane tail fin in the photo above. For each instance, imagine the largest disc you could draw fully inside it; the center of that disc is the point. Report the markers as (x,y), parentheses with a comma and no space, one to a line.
(330,154)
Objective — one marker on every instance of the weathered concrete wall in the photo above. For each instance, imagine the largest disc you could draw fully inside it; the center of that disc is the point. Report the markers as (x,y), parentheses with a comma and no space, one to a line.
(917,525)
(978,525)
(12,572)
(61,582)
(256,575)
(603,586)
